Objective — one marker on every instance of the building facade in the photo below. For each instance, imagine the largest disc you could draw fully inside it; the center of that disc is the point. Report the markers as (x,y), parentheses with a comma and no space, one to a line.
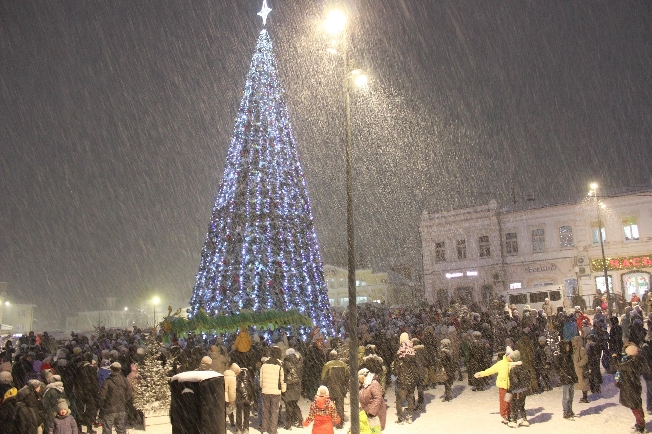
(370,287)
(473,254)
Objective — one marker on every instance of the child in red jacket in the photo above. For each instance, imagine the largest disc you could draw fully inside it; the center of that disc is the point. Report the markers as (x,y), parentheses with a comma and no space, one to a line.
(323,412)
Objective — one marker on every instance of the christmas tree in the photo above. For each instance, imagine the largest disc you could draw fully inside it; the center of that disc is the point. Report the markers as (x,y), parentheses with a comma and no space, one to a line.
(151,390)
(261,249)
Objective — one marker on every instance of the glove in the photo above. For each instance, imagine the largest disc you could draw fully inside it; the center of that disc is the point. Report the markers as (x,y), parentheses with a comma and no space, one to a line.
(305,423)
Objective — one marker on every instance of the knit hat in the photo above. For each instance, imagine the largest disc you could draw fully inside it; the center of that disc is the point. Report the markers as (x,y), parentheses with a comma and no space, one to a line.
(290,351)
(115,366)
(206,360)
(5,377)
(76,351)
(542,339)
(404,337)
(235,368)
(363,371)
(515,355)
(55,378)
(323,391)
(62,405)
(9,393)
(445,343)
(34,384)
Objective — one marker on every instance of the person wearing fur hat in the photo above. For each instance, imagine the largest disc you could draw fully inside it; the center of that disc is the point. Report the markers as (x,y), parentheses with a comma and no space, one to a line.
(53,393)
(114,395)
(519,379)
(630,367)
(293,367)
(370,396)
(272,384)
(29,410)
(323,413)
(406,370)
(62,422)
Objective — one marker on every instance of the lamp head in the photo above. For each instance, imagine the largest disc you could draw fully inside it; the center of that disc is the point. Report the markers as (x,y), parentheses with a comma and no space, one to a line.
(335,22)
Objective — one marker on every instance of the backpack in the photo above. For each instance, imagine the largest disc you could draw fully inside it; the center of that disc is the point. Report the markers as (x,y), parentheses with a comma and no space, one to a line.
(291,374)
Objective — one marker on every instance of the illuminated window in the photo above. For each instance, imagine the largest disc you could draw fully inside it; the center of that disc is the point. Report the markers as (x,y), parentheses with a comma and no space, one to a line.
(538,240)
(440,252)
(600,286)
(484,246)
(511,243)
(566,237)
(461,249)
(631,229)
(515,285)
(595,231)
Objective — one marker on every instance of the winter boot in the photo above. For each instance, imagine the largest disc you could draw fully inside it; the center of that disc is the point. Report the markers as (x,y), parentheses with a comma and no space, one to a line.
(512,424)
(524,422)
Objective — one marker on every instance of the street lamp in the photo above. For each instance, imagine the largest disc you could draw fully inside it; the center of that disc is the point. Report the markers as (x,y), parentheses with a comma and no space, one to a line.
(594,192)
(155,301)
(335,26)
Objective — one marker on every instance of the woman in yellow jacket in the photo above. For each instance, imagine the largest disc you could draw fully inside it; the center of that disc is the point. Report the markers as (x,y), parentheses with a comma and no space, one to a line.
(501,368)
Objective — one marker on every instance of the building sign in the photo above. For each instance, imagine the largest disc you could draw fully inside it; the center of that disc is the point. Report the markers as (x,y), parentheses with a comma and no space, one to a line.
(541,268)
(624,263)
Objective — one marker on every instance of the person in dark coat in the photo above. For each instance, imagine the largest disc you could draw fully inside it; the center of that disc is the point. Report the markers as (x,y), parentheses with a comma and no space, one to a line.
(53,393)
(334,377)
(594,353)
(567,377)
(519,384)
(63,422)
(244,398)
(406,371)
(29,410)
(446,360)
(20,369)
(314,363)
(293,367)
(87,391)
(630,367)
(477,361)
(543,359)
(8,411)
(113,401)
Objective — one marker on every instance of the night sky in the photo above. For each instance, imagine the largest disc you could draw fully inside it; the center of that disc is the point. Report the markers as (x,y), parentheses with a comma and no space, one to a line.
(116,118)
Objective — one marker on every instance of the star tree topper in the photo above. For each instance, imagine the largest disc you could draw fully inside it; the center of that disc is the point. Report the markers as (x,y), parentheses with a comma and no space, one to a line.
(264,12)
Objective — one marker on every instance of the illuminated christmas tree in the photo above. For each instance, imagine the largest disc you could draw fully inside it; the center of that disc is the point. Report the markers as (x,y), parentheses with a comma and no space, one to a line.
(261,250)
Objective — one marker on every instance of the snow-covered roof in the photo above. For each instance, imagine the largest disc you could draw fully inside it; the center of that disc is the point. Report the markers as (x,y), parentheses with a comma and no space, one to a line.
(196,376)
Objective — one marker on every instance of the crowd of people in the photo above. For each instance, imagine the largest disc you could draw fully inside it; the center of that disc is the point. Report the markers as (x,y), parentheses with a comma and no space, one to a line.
(87,381)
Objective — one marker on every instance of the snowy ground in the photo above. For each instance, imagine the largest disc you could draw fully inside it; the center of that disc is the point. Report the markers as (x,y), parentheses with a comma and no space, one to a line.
(477,412)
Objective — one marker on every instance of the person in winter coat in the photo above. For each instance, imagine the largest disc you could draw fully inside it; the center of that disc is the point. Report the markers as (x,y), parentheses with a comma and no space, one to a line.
(334,377)
(219,358)
(581,363)
(406,370)
(104,372)
(449,365)
(543,359)
(272,384)
(293,367)
(323,413)
(8,411)
(370,396)
(63,422)
(567,377)
(519,384)
(501,368)
(6,383)
(615,336)
(244,398)
(375,364)
(420,351)
(53,393)
(594,353)
(87,391)
(113,401)
(630,368)
(29,410)
(230,391)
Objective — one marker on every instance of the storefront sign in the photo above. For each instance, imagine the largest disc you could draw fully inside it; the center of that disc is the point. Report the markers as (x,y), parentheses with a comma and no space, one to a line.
(541,268)
(624,263)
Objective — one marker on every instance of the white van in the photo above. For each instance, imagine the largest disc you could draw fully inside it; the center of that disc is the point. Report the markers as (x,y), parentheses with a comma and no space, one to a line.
(535,297)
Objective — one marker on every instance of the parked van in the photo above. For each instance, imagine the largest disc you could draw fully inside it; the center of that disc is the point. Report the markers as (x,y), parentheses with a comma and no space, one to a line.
(535,297)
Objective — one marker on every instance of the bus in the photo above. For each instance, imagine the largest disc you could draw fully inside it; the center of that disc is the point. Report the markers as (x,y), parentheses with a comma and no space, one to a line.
(535,297)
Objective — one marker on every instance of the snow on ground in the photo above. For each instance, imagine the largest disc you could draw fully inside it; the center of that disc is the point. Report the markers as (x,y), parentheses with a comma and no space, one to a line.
(477,412)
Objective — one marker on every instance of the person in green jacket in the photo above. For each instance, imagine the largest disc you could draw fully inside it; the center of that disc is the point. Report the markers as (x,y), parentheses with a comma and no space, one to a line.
(501,368)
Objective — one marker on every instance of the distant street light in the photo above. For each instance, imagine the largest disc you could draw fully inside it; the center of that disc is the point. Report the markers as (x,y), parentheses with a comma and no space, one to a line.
(335,26)
(594,192)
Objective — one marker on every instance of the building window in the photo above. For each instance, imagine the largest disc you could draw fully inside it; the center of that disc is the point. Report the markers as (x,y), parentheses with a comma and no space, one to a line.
(538,240)
(440,252)
(595,237)
(631,229)
(484,246)
(600,286)
(511,243)
(566,237)
(461,249)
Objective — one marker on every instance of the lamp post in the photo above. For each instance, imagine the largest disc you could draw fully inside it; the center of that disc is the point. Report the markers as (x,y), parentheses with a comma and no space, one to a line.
(335,25)
(594,192)
(155,301)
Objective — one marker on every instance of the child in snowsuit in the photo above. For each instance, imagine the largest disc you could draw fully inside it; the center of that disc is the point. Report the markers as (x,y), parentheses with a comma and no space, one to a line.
(63,422)
(519,380)
(630,368)
(323,413)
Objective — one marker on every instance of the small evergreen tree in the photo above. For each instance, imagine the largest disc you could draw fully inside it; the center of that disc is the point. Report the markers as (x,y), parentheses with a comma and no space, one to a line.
(152,390)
